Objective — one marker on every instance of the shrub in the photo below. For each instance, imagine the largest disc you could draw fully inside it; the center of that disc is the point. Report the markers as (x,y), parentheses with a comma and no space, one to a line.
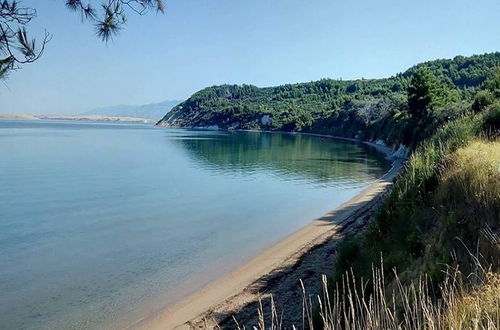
(482,100)
(492,121)
(398,225)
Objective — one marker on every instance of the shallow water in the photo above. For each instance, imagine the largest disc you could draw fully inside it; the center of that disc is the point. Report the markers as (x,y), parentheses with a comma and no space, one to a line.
(101,223)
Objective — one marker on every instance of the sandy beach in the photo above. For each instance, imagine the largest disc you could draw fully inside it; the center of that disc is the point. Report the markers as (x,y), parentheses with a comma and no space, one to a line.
(306,254)
(98,118)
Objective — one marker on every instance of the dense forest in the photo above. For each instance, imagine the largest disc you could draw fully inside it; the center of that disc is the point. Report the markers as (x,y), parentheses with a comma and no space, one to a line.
(367,109)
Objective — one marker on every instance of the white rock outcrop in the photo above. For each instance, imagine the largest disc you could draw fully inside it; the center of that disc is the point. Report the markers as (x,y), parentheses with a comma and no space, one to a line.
(266,119)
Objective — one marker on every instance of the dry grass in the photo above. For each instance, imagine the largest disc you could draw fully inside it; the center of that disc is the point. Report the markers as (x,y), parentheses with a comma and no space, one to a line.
(462,302)
(475,172)
(468,200)
(461,306)
(478,309)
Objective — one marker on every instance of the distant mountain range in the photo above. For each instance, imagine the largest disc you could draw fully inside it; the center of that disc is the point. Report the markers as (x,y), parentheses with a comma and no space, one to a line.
(150,111)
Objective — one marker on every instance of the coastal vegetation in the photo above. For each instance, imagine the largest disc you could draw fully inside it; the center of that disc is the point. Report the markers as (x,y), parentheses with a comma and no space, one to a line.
(467,301)
(366,109)
(443,212)
(445,204)
(446,198)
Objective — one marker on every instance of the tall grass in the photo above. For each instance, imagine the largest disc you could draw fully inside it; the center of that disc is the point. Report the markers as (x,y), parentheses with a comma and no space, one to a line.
(472,176)
(399,227)
(467,200)
(426,163)
(467,302)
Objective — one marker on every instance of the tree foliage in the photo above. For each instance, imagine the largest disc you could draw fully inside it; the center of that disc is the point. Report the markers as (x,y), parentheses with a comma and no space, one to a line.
(404,108)
(463,72)
(110,18)
(424,93)
(17,48)
(493,83)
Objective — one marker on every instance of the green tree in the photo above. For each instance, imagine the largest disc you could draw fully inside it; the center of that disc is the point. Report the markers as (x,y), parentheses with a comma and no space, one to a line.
(493,83)
(491,92)
(16,48)
(111,16)
(424,93)
(482,100)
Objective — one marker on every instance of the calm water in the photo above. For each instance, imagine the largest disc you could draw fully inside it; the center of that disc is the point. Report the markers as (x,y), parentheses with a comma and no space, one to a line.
(101,223)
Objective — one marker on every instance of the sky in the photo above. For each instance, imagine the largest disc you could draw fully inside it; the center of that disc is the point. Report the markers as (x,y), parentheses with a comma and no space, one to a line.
(200,43)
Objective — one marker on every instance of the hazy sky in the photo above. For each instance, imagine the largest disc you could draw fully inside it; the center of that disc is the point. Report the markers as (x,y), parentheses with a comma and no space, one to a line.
(200,43)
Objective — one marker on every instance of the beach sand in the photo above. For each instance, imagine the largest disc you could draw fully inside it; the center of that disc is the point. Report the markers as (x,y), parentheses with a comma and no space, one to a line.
(305,254)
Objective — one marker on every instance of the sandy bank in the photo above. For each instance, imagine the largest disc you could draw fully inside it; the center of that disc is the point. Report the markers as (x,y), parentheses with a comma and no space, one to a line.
(98,118)
(305,254)
(77,117)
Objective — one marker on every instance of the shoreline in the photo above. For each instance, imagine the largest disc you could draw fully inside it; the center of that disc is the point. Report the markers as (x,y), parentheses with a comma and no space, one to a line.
(237,291)
(89,118)
(390,153)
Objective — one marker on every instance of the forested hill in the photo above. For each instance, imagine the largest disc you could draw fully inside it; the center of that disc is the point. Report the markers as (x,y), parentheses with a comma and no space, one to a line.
(367,109)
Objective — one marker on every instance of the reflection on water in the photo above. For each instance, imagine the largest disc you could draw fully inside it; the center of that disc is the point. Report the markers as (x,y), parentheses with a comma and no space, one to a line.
(290,156)
(102,223)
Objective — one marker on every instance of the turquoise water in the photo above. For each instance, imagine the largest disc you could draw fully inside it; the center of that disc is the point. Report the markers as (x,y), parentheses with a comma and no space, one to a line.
(103,223)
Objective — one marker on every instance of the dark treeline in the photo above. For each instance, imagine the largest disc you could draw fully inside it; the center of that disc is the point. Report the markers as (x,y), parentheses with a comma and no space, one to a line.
(367,109)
